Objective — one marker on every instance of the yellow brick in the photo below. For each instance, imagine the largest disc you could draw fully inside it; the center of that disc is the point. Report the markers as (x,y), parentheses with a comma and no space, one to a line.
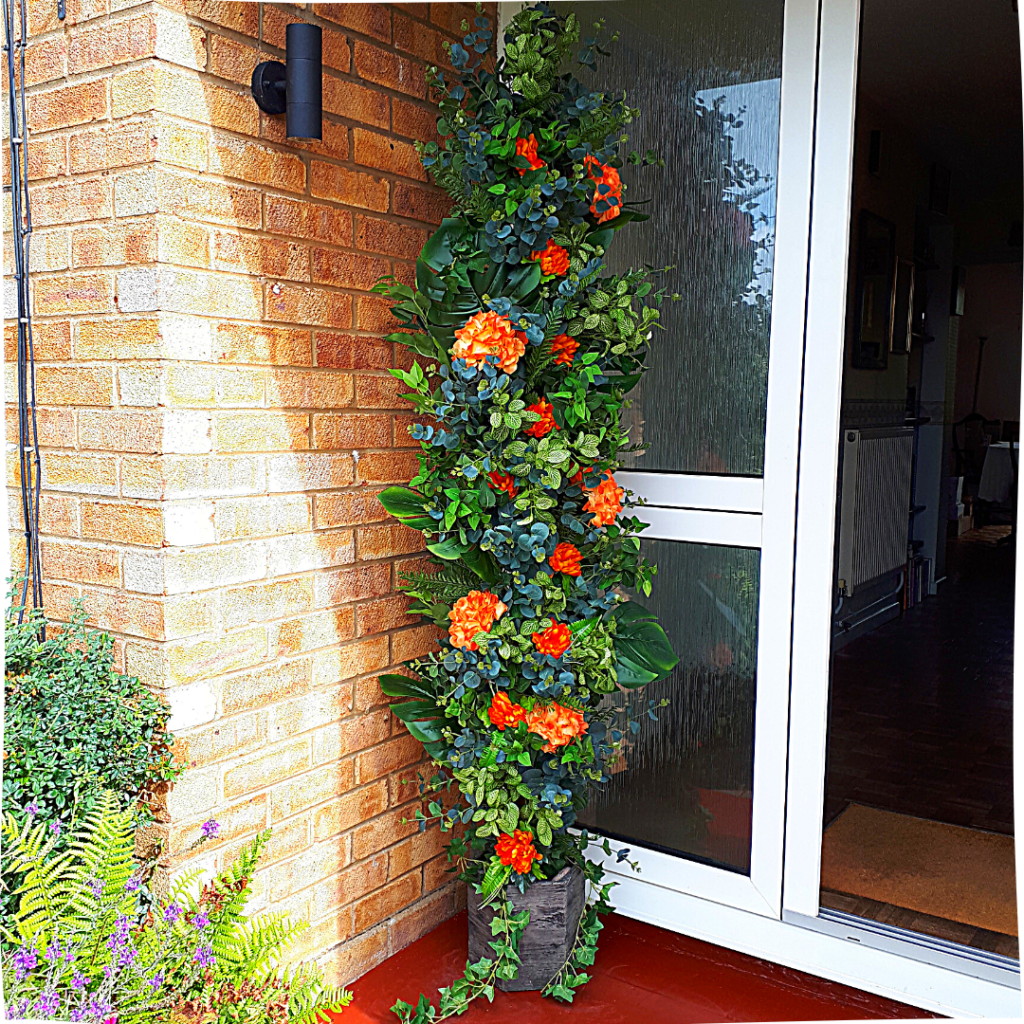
(182,242)
(83,563)
(113,245)
(263,602)
(236,518)
(253,162)
(70,385)
(110,430)
(222,740)
(84,293)
(299,794)
(241,819)
(350,810)
(323,629)
(251,690)
(122,522)
(120,145)
(187,384)
(67,202)
(240,386)
(199,659)
(292,303)
(259,772)
(313,710)
(264,257)
(117,338)
(309,389)
(261,431)
(86,474)
(242,343)
(337,663)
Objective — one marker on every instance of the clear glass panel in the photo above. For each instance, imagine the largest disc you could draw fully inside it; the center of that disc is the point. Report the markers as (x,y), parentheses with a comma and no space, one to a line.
(685,782)
(705,75)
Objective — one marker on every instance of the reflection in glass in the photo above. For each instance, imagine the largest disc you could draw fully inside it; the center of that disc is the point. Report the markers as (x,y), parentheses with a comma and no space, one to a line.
(685,782)
(706,78)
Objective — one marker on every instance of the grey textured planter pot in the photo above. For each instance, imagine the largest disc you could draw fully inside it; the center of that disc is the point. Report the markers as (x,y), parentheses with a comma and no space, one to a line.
(555,908)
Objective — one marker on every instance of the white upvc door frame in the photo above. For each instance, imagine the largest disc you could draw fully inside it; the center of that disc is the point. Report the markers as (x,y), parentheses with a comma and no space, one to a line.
(753,513)
(919,970)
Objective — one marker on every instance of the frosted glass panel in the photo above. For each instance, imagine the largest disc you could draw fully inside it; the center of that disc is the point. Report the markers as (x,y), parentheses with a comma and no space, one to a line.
(706,77)
(685,782)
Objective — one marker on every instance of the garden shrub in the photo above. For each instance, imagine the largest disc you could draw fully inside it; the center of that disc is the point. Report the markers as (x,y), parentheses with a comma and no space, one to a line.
(75,727)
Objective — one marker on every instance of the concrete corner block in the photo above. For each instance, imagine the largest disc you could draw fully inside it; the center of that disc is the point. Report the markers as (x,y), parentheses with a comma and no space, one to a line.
(196,792)
(186,432)
(192,705)
(179,42)
(135,193)
(138,290)
(189,523)
(139,386)
(185,337)
(144,572)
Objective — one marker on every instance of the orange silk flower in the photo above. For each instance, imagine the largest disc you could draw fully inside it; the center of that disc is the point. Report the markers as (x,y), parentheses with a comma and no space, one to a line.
(605,501)
(503,713)
(489,334)
(472,614)
(558,725)
(503,482)
(528,148)
(565,558)
(610,198)
(517,850)
(553,259)
(555,640)
(563,348)
(546,423)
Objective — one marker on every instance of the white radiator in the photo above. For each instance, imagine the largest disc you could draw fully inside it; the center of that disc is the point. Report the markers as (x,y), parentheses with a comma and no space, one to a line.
(875,509)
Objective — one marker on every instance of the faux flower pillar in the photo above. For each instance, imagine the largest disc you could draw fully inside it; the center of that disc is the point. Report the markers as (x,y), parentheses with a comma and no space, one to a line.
(525,349)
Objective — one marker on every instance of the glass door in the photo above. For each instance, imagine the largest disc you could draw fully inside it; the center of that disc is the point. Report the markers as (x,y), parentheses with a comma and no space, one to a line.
(725,93)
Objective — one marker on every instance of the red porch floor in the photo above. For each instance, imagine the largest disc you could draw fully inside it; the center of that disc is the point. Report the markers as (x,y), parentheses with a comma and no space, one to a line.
(643,974)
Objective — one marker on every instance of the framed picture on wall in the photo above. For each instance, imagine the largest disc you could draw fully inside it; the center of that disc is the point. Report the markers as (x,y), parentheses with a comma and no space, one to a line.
(875,292)
(903,307)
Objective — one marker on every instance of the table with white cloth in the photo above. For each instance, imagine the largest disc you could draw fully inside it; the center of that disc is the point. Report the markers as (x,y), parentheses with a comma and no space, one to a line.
(999,472)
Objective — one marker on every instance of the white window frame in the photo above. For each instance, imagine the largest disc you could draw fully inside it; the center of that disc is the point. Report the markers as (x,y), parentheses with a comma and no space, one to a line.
(753,513)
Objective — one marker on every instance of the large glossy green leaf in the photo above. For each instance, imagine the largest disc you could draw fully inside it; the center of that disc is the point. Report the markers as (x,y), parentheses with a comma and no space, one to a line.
(394,685)
(643,653)
(437,252)
(402,501)
(482,564)
(449,549)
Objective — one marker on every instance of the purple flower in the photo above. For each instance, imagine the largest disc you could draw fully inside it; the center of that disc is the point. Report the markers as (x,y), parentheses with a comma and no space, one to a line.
(47,1003)
(119,937)
(204,956)
(54,952)
(32,810)
(210,829)
(78,980)
(96,886)
(24,961)
(127,956)
(172,913)
(133,884)
(77,1015)
(156,981)
(201,920)
(55,827)
(97,1006)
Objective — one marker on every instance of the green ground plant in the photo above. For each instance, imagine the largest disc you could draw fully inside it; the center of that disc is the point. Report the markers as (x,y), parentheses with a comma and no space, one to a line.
(80,947)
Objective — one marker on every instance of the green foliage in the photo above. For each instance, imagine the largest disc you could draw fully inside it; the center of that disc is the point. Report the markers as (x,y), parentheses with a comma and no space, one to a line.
(507,928)
(526,350)
(77,951)
(75,728)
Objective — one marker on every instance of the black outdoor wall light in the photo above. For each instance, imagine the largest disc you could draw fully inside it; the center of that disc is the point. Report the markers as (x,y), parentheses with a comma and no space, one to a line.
(294,88)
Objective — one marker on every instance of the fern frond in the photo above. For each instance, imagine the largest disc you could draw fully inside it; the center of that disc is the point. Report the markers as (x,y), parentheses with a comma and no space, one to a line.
(256,945)
(311,1000)
(446,585)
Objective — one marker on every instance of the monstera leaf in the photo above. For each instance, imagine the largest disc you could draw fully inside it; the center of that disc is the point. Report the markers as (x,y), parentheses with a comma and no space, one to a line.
(421,715)
(642,652)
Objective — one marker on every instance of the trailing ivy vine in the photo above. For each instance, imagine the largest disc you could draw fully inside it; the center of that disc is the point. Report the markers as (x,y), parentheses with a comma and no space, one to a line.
(525,349)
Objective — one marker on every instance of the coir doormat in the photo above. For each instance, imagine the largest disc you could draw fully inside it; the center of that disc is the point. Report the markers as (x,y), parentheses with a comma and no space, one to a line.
(961,874)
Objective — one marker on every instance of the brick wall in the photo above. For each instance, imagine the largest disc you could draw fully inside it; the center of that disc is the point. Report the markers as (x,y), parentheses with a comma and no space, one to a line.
(217,418)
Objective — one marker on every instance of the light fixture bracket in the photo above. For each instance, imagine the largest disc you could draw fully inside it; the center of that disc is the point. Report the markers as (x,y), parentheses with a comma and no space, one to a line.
(268,87)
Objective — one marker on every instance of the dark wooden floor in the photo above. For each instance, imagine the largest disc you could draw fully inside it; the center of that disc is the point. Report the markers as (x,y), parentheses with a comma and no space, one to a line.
(643,975)
(921,715)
